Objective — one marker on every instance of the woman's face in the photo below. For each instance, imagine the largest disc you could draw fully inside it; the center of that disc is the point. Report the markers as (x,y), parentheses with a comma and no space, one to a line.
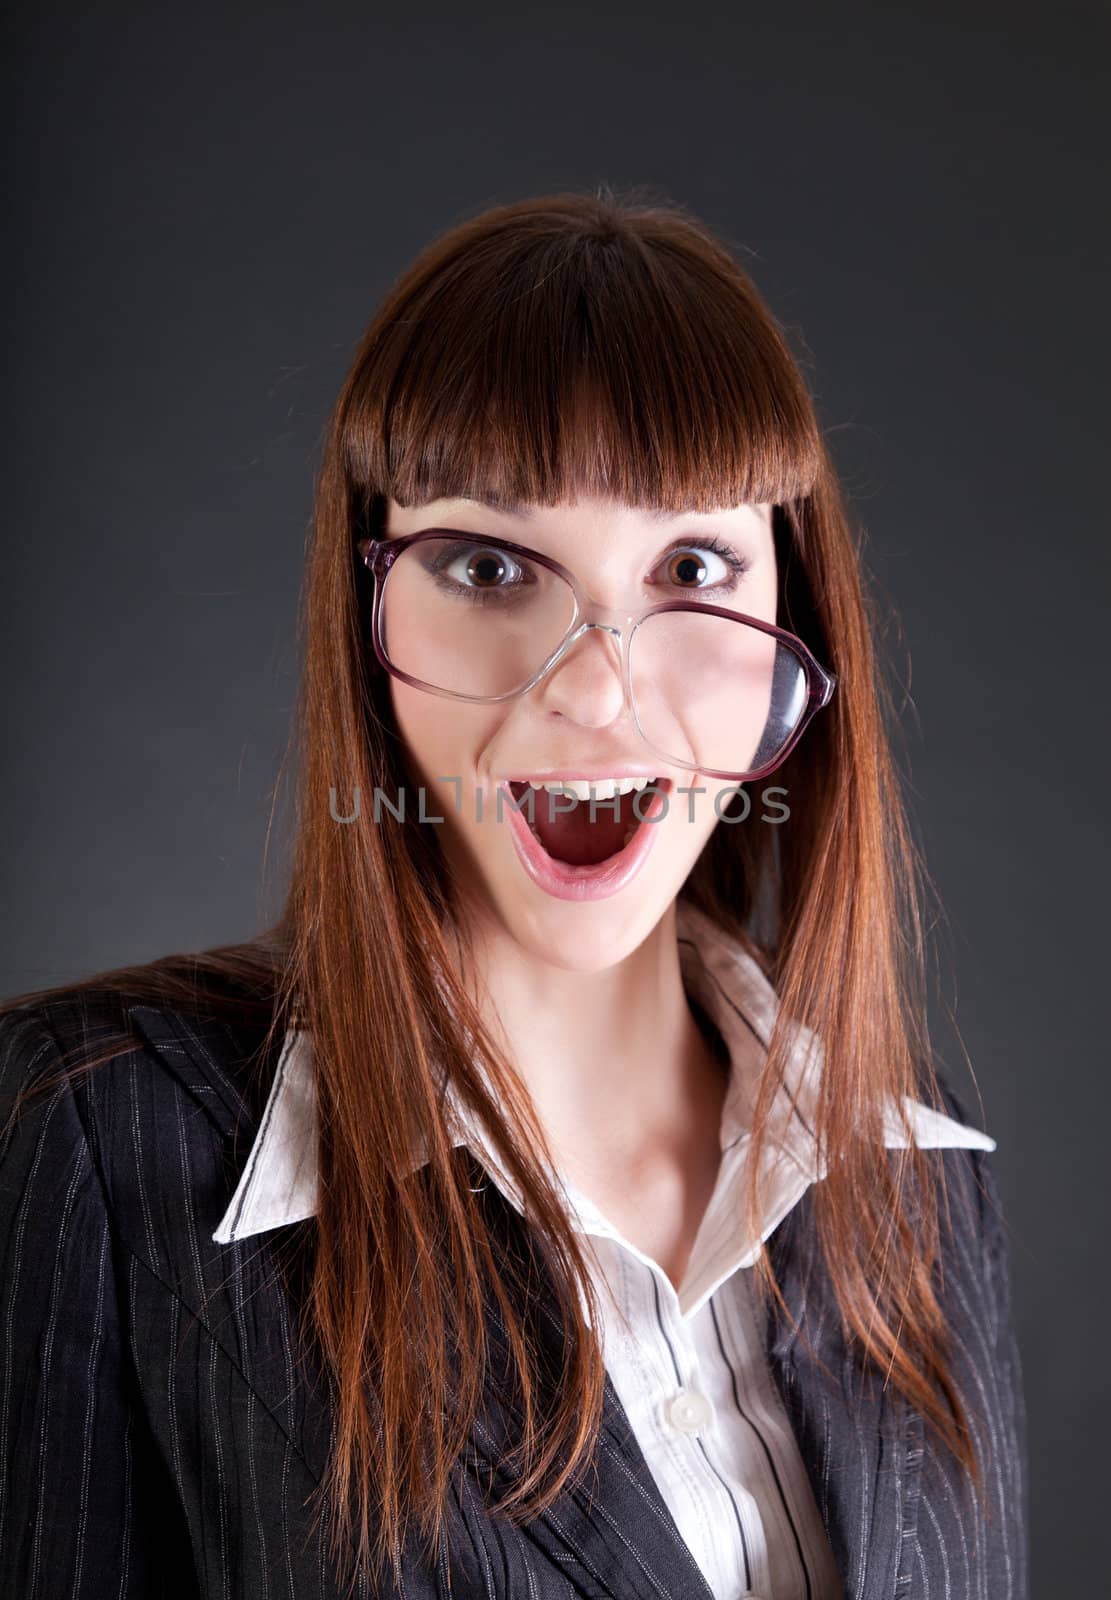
(574,723)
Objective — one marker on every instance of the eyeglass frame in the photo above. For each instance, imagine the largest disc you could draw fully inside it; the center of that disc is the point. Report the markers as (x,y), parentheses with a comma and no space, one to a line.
(379,556)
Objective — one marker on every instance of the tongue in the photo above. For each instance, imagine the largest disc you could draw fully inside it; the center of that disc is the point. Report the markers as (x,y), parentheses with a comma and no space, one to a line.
(570,836)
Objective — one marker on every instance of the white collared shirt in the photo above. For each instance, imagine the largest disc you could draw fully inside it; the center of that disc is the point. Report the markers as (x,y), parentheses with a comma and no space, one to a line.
(688,1365)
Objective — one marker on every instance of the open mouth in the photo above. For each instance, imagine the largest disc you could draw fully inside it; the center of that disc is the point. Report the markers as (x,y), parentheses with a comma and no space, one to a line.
(584,832)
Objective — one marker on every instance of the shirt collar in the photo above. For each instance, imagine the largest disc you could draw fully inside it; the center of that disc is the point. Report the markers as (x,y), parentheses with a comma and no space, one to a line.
(279,1183)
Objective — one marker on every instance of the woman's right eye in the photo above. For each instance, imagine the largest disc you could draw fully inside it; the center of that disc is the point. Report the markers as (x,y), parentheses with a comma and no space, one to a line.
(482,567)
(478,572)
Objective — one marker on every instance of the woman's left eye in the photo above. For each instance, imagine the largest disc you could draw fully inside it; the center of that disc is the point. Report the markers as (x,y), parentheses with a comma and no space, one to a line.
(703,565)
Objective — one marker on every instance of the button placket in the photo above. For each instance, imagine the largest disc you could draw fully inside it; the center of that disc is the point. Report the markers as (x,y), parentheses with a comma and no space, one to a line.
(682,1377)
(688,1410)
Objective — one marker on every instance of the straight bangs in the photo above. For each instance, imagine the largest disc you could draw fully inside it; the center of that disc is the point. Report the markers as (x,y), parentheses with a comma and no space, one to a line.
(562,358)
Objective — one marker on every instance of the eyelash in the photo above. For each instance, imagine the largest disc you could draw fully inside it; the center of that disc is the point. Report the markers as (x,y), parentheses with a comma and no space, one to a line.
(738,564)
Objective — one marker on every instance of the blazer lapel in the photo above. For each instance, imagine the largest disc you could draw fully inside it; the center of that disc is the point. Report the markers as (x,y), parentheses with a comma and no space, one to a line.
(861,1443)
(194,1050)
(240,1283)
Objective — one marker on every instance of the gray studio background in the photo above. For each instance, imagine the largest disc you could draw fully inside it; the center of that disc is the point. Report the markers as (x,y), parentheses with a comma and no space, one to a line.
(208,207)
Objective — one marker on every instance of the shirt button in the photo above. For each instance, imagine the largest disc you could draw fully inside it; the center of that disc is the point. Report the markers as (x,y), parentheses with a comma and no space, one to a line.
(689,1411)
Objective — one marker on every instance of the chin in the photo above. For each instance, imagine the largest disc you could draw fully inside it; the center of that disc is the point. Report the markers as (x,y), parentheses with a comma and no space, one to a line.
(592,936)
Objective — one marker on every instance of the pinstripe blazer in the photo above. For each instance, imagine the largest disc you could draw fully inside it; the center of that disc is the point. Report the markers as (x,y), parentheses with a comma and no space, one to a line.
(161,1432)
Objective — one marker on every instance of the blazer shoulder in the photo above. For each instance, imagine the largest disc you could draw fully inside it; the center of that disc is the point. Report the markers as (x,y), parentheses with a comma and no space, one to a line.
(146,1108)
(49,1041)
(970,1194)
(47,1150)
(99,1042)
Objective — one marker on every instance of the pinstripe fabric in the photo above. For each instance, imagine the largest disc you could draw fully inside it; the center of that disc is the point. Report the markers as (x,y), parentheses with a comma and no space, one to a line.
(735,1482)
(161,1434)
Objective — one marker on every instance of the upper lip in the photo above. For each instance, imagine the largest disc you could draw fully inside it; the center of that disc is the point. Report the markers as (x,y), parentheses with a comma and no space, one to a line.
(574,774)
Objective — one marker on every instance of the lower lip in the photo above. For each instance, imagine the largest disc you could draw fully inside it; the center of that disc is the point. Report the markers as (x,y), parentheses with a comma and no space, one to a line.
(566,882)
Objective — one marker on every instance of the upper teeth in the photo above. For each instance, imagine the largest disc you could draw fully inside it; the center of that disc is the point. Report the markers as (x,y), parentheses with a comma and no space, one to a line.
(600,788)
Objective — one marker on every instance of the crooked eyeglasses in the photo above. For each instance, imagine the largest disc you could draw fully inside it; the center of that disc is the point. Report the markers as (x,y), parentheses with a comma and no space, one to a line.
(708,687)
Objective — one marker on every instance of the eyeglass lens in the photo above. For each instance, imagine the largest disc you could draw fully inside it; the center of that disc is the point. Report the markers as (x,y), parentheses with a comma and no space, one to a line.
(708,692)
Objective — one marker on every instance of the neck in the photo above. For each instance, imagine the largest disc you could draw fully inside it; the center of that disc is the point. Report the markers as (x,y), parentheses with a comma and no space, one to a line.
(617,1065)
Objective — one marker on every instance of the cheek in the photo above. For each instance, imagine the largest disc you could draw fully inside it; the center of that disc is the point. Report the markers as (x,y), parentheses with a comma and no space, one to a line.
(417,723)
(443,738)
(429,733)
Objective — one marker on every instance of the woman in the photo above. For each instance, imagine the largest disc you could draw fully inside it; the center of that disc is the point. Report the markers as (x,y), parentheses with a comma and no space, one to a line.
(561,1198)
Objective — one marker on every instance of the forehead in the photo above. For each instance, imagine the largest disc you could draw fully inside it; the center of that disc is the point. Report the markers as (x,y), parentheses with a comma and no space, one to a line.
(568,512)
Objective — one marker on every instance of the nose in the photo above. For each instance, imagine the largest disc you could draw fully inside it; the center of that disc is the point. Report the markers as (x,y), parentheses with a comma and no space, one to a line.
(585,684)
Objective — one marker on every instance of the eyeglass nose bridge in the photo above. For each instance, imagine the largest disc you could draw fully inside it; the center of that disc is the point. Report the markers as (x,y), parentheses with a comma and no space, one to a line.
(591,613)
(617,631)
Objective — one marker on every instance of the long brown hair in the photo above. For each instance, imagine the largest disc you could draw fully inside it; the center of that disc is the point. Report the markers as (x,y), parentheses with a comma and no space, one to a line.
(608,345)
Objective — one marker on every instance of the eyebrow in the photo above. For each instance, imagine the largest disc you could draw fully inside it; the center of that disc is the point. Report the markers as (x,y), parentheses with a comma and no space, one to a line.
(508,508)
(514,508)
